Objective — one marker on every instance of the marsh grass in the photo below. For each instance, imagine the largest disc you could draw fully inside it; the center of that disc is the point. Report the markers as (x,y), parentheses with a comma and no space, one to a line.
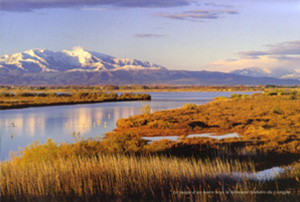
(11,100)
(266,122)
(87,171)
(116,177)
(124,168)
(70,172)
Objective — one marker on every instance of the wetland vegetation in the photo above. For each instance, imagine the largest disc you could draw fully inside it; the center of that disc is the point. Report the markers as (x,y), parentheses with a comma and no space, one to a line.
(135,88)
(123,167)
(12,100)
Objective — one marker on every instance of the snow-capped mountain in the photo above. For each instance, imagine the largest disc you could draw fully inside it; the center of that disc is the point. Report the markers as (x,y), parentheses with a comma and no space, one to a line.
(78,59)
(259,72)
(82,67)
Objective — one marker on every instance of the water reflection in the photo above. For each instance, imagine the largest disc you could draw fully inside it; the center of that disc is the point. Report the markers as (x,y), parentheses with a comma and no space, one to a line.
(90,120)
(264,175)
(152,139)
(213,136)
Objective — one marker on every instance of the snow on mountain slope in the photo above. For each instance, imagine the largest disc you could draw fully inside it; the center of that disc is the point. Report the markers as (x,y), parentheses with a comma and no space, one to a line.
(259,72)
(78,59)
(252,71)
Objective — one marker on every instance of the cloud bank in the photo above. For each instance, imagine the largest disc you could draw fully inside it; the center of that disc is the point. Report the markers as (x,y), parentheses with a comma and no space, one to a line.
(30,5)
(199,15)
(279,49)
(147,35)
(219,5)
(284,55)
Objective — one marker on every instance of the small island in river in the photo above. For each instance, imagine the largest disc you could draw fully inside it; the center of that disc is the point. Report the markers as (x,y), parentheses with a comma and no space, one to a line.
(13,100)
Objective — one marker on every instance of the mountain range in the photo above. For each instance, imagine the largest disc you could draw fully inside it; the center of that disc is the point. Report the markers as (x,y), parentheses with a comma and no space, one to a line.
(82,67)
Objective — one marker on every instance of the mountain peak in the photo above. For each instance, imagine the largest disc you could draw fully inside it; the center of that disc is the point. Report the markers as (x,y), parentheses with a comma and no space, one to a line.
(78,48)
(78,52)
(34,52)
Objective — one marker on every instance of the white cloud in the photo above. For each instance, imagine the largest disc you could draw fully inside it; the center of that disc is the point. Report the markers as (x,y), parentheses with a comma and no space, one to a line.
(29,5)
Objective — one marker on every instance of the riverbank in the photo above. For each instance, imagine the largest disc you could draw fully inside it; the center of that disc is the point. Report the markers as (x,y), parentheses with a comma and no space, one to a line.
(268,121)
(124,167)
(117,170)
(33,99)
(135,88)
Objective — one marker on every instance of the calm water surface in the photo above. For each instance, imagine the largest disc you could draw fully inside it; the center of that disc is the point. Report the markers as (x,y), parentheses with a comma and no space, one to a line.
(206,135)
(20,127)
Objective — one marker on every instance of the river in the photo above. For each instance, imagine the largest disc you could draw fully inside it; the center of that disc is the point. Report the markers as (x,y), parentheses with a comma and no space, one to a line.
(20,127)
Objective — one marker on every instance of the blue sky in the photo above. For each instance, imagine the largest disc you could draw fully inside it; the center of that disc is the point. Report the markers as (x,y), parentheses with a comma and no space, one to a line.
(220,35)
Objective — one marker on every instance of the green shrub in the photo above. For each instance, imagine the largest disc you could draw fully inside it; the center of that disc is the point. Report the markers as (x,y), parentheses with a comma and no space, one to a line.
(221,98)
(189,106)
(239,96)
(292,97)
(7,94)
(277,110)
(146,109)
(123,143)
